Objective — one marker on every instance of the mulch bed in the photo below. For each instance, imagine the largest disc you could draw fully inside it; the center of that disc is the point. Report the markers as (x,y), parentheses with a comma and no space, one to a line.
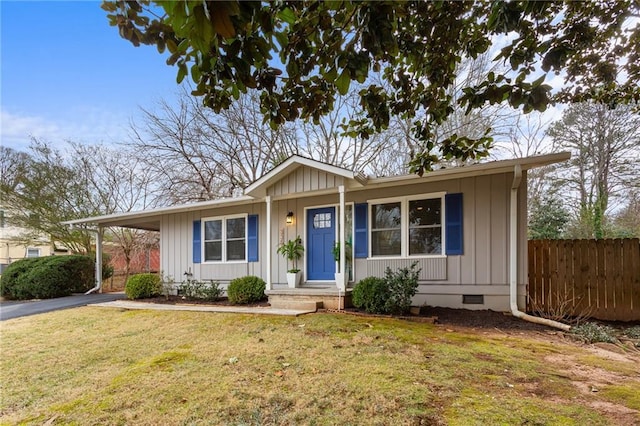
(482,319)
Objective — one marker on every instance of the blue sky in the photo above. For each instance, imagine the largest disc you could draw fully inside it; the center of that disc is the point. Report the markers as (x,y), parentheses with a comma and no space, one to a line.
(67,74)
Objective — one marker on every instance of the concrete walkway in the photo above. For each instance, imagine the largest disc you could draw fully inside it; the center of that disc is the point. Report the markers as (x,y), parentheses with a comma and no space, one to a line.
(129,304)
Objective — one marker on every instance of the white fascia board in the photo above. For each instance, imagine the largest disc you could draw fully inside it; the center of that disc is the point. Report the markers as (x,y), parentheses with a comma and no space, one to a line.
(481,169)
(259,187)
(143,214)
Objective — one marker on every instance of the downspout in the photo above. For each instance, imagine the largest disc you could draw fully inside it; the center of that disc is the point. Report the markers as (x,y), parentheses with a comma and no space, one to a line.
(513,259)
(98,285)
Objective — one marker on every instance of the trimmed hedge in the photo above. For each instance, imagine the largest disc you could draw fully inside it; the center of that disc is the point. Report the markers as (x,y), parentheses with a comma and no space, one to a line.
(142,286)
(47,277)
(244,290)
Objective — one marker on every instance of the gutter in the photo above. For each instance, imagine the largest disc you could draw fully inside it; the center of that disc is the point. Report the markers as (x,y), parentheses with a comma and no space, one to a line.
(513,259)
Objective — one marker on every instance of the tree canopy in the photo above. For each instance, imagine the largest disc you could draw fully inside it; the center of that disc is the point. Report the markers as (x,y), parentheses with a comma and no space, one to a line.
(47,186)
(301,55)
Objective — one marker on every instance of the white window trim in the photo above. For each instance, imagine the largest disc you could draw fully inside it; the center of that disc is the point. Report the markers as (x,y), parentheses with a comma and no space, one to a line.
(34,249)
(224,238)
(404,224)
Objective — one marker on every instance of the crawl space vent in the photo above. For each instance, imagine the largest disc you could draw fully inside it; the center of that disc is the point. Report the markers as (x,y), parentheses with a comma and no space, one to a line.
(473,299)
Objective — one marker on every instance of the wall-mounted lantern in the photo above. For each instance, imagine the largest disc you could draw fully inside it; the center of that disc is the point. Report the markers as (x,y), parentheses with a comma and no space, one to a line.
(289,220)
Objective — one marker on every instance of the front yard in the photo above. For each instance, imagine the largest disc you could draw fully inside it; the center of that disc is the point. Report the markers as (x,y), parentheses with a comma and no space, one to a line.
(107,366)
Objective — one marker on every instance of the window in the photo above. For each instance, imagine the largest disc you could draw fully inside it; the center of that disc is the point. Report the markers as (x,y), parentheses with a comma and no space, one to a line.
(322,220)
(386,234)
(408,226)
(425,226)
(225,239)
(235,239)
(33,252)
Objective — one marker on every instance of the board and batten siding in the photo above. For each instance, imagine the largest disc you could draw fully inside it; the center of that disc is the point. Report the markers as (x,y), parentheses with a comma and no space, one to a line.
(305,179)
(483,268)
(176,247)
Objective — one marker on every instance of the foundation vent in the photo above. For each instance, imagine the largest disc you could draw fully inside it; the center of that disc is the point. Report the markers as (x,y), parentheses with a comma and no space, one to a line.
(473,299)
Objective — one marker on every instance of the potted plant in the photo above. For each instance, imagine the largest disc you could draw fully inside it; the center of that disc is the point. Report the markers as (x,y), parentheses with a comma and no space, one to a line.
(342,279)
(292,251)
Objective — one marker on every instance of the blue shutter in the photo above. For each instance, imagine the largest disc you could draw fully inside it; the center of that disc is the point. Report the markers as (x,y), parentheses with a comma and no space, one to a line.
(197,241)
(453,223)
(252,238)
(361,248)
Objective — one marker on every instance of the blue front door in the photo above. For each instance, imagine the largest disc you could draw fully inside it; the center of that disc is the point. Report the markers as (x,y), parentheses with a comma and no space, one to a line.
(321,233)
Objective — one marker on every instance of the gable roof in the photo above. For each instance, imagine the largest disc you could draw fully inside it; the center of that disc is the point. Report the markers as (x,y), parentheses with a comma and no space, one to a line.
(254,193)
(258,188)
(480,169)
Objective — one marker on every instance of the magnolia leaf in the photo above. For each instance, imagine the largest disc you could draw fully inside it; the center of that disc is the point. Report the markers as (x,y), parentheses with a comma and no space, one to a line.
(343,82)
(221,21)
(287,15)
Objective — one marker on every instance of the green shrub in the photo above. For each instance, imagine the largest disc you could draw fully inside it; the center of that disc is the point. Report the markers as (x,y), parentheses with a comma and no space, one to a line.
(402,285)
(141,286)
(201,289)
(389,295)
(245,290)
(371,294)
(8,281)
(48,277)
(82,269)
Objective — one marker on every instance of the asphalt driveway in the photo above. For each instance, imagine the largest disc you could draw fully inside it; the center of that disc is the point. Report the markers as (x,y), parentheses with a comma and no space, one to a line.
(14,309)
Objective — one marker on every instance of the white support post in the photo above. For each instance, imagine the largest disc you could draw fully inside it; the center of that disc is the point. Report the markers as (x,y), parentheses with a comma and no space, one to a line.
(98,286)
(342,225)
(268,251)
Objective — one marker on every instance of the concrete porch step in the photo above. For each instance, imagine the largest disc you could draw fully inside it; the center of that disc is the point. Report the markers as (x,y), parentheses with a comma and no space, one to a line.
(293,303)
(309,298)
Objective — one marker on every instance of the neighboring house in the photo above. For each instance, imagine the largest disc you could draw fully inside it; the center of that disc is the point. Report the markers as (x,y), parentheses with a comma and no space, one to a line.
(13,247)
(465,227)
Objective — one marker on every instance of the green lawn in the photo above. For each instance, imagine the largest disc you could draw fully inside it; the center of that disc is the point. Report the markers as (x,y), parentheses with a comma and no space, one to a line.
(107,366)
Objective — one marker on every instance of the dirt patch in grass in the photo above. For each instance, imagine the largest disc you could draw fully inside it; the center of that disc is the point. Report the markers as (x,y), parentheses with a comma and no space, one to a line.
(618,388)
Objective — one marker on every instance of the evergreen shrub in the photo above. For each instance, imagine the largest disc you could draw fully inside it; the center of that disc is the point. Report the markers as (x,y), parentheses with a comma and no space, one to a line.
(244,290)
(371,294)
(142,286)
(389,295)
(47,277)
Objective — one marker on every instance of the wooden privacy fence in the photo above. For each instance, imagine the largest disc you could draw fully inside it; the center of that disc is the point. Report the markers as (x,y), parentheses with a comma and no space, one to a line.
(594,278)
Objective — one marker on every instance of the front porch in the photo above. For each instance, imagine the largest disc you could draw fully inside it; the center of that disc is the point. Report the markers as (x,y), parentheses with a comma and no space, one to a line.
(314,298)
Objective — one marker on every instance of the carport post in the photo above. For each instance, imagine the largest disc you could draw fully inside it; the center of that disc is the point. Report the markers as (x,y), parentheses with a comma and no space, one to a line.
(268,253)
(98,286)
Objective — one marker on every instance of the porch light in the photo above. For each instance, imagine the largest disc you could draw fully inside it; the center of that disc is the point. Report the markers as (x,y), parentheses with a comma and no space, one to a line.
(289,218)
